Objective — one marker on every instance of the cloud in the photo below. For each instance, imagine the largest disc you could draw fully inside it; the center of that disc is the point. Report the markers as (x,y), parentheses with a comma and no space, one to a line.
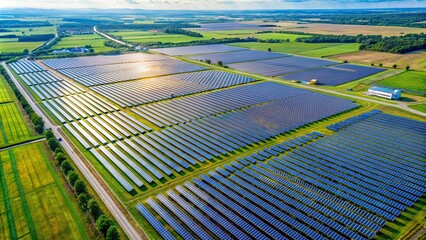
(213,4)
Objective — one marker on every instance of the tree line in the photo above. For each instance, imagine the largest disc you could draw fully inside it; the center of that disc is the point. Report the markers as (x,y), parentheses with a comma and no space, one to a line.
(182,31)
(394,44)
(35,119)
(36,38)
(401,44)
(104,225)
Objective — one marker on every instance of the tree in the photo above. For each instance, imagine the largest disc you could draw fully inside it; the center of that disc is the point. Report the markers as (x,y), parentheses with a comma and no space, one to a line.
(53,143)
(269,49)
(112,233)
(380,64)
(372,64)
(91,50)
(49,134)
(58,150)
(82,201)
(79,186)
(346,61)
(220,63)
(39,128)
(208,61)
(407,68)
(394,66)
(60,157)
(26,51)
(72,177)
(94,208)
(102,224)
(66,166)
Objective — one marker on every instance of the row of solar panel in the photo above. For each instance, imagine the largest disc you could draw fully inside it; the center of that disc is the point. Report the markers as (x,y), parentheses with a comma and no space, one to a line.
(154,89)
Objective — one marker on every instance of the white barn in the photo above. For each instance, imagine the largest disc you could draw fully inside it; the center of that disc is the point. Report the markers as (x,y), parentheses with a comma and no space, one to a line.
(392,94)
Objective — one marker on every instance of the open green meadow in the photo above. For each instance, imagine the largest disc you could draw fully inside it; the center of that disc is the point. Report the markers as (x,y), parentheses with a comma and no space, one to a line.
(153,36)
(15,46)
(420,107)
(96,41)
(30,31)
(332,50)
(12,44)
(13,127)
(410,80)
(36,206)
(305,49)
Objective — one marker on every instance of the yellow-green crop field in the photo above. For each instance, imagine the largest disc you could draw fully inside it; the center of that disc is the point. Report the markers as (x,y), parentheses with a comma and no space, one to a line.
(34,203)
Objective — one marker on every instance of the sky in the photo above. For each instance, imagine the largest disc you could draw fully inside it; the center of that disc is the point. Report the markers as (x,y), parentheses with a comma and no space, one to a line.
(211,4)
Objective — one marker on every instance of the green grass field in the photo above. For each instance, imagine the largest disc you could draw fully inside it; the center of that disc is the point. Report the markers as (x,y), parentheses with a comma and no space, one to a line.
(35,203)
(305,49)
(12,44)
(333,50)
(411,80)
(13,127)
(420,107)
(148,36)
(4,92)
(30,31)
(96,41)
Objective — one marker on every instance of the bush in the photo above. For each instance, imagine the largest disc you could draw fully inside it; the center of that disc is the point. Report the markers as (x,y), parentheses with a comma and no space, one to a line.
(102,224)
(407,68)
(66,166)
(93,208)
(394,66)
(220,63)
(72,177)
(112,233)
(53,144)
(79,186)
(82,201)
(269,49)
(60,157)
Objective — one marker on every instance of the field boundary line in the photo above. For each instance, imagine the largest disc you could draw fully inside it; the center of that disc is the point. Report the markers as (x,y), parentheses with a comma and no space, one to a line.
(8,206)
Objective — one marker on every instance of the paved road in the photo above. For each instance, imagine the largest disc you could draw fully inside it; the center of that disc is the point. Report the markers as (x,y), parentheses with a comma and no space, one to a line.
(111,38)
(105,195)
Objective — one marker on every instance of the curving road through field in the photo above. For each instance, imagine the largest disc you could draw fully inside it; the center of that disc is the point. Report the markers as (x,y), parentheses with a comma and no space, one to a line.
(100,188)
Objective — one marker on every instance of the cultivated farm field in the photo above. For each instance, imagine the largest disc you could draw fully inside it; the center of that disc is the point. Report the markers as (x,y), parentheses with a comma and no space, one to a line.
(12,44)
(36,204)
(12,124)
(4,93)
(416,60)
(411,80)
(15,46)
(152,36)
(339,29)
(96,41)
(305,49)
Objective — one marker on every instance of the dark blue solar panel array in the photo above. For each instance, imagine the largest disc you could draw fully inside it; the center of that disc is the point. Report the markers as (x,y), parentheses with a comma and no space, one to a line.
(240,56)
(281,66)
(186,109)
(343,186)
(334,75)
(154,89)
